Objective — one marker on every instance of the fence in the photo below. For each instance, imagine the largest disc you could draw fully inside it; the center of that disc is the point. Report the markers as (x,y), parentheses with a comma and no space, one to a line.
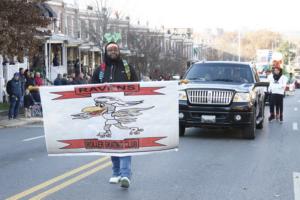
(7,72)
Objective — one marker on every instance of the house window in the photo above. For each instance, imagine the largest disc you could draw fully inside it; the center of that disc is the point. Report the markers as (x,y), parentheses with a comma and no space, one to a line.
(87,28)
(69,26)
(66,22)
(79,29)
(83,29)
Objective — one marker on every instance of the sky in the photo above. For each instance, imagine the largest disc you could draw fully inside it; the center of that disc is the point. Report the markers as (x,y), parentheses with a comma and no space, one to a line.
(277,15)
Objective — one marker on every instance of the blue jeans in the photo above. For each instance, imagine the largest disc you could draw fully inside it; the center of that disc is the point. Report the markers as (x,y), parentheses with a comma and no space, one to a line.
(22,102)
(121,166)
(14,104)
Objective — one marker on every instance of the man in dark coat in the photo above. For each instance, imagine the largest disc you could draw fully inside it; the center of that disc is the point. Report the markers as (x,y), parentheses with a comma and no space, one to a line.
(114,69)
(14,90)
(22,80)
(79,79)
(58,80)
(64,80)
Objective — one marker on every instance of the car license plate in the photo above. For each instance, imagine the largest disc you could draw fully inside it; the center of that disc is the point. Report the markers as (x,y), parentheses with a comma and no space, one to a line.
(208,119)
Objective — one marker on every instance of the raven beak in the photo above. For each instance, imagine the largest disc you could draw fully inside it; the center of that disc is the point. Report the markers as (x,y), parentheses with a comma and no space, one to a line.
(94,110)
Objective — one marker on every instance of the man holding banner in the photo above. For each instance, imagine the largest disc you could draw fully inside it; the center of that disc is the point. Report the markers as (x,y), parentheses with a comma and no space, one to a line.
(114,69)
(115,116)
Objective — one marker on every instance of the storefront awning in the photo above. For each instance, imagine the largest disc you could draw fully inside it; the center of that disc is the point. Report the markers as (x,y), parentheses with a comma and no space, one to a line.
(74,42)
(95,49)
(89,46)
(58,38)
(125,51)
(84,47)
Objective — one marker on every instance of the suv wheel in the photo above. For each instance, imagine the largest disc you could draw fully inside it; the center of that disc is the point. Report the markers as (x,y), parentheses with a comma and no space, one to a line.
(181,130)
(262,115)
(249,132)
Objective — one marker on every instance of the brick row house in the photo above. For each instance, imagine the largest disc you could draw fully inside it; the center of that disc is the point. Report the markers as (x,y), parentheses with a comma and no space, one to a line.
(77,35)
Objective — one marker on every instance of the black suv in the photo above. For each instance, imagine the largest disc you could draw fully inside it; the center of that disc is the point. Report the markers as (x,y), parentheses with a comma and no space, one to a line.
(222,94)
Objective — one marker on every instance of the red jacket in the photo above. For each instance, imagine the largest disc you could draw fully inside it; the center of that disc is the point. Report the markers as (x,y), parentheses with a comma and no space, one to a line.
(38,81)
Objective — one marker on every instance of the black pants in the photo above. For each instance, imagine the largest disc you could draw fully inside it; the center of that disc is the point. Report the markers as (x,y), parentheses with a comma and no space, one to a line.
(36,96)
(276,100)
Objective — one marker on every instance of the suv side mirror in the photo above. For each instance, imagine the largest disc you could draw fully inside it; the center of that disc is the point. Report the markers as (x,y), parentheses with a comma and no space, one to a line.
(262,84)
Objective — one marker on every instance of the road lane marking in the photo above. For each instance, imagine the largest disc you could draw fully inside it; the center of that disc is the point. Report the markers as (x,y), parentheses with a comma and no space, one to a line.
(56,179)
(34,138)
(295,109)
(70,181)
(295,126)
(296,178)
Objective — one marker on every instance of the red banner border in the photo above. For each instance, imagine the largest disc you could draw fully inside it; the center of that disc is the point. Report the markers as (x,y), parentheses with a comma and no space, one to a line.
(129,143)
(135,92)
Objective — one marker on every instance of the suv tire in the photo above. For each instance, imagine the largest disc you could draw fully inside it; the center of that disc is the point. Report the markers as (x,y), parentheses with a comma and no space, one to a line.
(181,130)
(262,115)
(249,132)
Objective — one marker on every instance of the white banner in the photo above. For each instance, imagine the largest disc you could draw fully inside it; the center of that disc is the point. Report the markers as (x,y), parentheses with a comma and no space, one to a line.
(118,119)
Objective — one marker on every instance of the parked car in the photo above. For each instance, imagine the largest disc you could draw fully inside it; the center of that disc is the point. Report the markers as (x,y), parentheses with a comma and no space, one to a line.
(222,94)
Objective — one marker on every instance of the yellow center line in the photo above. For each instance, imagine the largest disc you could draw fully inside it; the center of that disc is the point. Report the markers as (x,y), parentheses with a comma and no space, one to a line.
(70,182)
(56,179)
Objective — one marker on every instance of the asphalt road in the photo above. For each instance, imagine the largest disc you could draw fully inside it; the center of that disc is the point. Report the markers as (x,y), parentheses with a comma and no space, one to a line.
(210,165)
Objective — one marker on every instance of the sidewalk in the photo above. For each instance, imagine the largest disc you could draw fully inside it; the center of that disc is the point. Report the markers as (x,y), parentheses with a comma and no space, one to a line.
(21,121)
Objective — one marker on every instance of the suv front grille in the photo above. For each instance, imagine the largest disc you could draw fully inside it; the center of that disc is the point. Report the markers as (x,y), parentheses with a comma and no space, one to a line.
(216,97)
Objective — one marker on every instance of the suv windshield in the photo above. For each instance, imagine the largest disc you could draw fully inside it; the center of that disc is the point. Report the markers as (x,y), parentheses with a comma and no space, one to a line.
(212,72)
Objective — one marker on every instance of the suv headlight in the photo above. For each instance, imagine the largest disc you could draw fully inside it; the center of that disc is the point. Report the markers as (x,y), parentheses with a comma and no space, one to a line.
(182,95)
(242,97)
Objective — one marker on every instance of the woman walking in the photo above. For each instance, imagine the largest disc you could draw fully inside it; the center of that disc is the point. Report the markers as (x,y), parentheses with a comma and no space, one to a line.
(277,87)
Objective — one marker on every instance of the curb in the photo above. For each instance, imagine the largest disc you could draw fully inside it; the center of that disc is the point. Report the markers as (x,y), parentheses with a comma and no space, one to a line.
(20,122)
(3,112)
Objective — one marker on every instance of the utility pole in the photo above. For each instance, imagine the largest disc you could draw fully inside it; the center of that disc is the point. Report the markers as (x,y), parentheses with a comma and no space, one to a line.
(239,48)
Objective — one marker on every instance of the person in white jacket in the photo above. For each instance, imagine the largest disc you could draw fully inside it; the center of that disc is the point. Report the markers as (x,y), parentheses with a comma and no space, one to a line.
(277,87)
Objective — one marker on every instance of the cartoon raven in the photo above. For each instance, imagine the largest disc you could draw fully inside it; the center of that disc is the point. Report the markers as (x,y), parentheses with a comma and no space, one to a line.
(106,107)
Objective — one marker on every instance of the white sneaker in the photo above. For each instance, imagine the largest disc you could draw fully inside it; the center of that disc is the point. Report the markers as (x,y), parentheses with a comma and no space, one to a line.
(115,179)
(125,182)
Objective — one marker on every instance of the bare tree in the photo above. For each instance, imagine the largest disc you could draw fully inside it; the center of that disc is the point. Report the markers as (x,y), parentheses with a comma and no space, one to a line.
(103,13)
(147,48)
(19,27)
(150,57)
(250,42)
